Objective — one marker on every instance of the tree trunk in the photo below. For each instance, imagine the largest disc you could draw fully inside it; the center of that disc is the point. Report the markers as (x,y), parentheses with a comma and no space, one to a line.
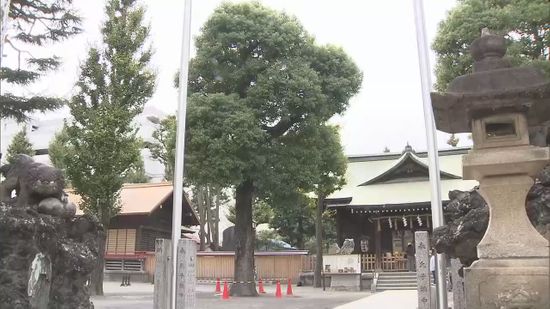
(208,209)
(244,284)
(200,202)
(300,234)
(216,232)
(97,274)
(319,241)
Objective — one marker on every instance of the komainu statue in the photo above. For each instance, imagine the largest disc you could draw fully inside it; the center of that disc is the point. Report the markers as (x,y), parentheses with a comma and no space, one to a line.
(347,247)
(468,216)
(46,252)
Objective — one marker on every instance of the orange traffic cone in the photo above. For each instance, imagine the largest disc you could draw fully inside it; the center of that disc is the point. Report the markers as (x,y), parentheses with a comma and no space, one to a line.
(225,291)
(289,288)
(218,287)
(278,292)
(261,287)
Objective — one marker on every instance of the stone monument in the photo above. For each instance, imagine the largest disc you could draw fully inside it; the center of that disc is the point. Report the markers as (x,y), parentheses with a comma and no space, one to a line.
(498,103)
(46,253)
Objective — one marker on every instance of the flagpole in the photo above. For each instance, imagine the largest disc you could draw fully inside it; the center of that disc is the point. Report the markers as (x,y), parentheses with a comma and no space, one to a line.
(435,182)
(180,146)
(5,7)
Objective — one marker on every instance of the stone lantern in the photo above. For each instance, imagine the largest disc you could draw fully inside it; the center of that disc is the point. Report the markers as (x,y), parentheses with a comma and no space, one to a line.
(499,104)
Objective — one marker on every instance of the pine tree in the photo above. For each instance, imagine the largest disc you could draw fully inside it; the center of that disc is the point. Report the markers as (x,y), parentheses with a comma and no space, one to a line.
(33,24)
(114,84)
(20,144)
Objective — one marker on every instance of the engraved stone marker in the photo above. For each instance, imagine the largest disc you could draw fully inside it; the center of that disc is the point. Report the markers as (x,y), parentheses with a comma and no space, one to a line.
(458,285)
(186,276)
(423,269)
(163,247)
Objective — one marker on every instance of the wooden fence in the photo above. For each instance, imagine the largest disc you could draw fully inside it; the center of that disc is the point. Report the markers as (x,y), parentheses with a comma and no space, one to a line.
(221,264)
(269,265)
(272,265)
(369,263)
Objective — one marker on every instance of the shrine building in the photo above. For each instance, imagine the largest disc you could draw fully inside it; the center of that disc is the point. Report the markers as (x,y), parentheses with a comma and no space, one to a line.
(387,198)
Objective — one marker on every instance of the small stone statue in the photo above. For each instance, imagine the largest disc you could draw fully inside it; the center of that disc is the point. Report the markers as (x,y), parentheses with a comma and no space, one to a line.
(347,247)
(37,185)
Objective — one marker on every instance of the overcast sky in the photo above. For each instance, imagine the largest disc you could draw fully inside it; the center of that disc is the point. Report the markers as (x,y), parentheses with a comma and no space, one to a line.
(378,35)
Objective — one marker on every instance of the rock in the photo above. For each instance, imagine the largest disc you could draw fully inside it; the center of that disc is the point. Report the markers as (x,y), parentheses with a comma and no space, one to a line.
(70,244)
(46,254)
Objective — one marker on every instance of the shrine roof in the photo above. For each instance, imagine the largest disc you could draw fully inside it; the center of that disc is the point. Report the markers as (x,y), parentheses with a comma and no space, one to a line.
(389,179)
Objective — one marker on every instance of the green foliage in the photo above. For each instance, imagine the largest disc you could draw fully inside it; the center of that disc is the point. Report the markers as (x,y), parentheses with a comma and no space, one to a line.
(524,22)
(294,218)
(261,88)
(163,149)
(136,173)
(34,24)
(262,213)
(114,85)
(20,144)
(58,151)
(268,240)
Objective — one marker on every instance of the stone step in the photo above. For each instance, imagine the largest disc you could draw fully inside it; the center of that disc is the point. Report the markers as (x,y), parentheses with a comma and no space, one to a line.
(396,281)
(398,274)
(396,288)
(398,277)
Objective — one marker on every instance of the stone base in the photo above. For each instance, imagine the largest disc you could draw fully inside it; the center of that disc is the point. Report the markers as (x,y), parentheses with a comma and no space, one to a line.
(508,284)
(345,282)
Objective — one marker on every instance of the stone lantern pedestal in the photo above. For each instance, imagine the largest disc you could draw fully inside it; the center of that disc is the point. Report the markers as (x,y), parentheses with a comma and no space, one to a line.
(498,103)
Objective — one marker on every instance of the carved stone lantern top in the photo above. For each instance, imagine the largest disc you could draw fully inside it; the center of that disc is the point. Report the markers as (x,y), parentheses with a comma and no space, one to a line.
(495,87)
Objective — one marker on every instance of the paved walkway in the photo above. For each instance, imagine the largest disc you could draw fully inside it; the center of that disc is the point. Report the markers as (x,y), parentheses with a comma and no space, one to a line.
(140,296)
(404,299)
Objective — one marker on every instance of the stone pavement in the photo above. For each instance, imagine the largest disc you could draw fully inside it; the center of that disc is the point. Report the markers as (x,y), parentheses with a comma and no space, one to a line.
(140,296)
(401,299)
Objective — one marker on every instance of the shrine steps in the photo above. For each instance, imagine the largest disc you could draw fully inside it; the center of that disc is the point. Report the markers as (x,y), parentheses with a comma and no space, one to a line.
(396,281)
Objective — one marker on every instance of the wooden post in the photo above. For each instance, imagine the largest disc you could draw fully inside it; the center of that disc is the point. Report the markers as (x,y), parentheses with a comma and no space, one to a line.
(186,277)
(378,245)
(423,269)
(459,301)
(163,271)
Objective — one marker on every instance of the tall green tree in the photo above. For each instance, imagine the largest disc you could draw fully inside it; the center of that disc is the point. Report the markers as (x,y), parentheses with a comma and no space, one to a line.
(33,24)
(330,177)
(163,148)
(136,173)
(294,218)
(58,151)
(20,144)
(260,88)
(526,24)
(114,84)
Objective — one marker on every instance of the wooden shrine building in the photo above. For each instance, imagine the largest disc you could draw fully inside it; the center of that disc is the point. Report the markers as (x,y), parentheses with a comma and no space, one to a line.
(387,198)
(145,215)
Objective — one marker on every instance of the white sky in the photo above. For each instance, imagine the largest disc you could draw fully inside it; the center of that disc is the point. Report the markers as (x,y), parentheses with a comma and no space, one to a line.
(378,35)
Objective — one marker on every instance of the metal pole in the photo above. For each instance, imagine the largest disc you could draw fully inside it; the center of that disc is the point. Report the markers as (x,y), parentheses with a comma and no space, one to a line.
(3,23)
(426,84)
(180,146)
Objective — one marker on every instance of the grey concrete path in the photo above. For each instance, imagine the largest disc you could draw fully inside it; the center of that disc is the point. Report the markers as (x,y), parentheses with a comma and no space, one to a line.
(140,296)
(404,299)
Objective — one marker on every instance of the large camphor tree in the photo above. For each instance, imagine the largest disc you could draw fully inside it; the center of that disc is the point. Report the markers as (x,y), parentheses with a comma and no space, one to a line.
(525,23)
(31,25)
(260,91)
(114,85)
